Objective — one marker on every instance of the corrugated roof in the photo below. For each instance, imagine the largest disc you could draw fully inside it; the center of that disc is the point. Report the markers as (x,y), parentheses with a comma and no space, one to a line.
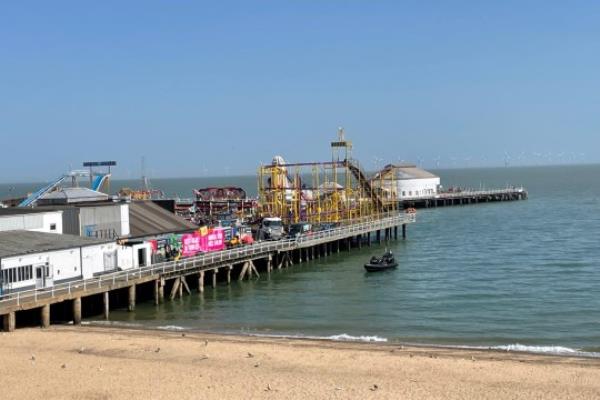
(147,219)
(18,243)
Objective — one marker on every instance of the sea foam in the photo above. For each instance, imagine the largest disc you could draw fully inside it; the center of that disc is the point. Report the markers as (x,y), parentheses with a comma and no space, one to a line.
(558,350)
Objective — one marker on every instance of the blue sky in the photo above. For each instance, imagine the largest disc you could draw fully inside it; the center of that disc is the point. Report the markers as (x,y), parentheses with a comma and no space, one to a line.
(214,88)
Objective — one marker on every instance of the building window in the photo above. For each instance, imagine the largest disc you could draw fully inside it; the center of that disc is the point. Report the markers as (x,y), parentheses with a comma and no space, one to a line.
(410,193)
(403,193)
(17,274)
(52,227)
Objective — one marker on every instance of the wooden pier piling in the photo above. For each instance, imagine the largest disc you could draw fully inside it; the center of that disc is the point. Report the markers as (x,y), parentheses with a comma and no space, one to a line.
(131,298)
(77,311)
(9,322)
(201,282)
(106,305)
(45,315)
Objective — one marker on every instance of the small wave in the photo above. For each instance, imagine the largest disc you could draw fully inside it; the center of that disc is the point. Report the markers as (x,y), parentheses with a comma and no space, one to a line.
(119,324)
(346,337)
(171,328)
(557,350)
(343,337)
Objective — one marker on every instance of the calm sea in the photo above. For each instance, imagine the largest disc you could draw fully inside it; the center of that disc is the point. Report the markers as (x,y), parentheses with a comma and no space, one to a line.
(517,275)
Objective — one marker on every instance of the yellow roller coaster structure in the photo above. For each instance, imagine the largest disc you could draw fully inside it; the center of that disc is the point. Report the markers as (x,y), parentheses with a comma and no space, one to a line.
(320,192)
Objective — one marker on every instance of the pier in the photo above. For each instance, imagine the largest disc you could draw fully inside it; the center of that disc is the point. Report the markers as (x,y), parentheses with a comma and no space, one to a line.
(68,302)
(466,197)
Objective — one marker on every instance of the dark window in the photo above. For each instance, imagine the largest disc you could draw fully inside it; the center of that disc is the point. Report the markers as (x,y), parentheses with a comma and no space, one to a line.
(52,227)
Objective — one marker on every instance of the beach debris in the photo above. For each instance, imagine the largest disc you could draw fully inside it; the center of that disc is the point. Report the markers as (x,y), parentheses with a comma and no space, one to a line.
(157,350)
(338,388)
(250,355)
(401,347)
(32,357)
(63,366)
(81,350)
(256,365)
(268,387)
(472,358)
(183,335)
(410,355)
(374,388)
(205,343)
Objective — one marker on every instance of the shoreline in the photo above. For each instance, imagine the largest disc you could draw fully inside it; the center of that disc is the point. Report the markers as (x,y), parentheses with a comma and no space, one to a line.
(366,339)
(99,362)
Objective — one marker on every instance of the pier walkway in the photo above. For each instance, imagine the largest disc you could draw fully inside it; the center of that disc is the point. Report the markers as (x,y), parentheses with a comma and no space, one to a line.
(272,254)
(465,197)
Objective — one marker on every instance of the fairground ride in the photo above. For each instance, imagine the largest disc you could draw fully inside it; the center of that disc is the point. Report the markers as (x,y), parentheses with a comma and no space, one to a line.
(320,192)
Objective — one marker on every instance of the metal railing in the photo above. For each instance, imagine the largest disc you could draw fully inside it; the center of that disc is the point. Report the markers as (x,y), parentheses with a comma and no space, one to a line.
(473,193)
(207,261)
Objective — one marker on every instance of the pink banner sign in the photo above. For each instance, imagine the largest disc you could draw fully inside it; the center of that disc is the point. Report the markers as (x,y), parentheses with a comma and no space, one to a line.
(191,244)
(213,241)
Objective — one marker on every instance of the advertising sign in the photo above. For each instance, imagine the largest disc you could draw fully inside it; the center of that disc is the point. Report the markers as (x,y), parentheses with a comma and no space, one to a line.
(191,244)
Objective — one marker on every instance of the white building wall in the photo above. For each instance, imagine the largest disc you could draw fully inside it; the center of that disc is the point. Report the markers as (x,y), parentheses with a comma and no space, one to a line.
(62,265)
(125,220)
(76,263)
(50,222)
(417,188)
(99,258)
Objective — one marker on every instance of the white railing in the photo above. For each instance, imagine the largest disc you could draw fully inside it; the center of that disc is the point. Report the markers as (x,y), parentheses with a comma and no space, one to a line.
(473,193)
(205,261)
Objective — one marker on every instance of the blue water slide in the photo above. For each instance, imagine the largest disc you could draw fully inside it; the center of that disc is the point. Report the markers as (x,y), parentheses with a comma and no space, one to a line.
(37,195)
(99,181)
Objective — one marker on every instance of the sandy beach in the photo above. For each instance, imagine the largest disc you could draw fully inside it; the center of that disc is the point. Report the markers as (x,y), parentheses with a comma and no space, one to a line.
(107,363)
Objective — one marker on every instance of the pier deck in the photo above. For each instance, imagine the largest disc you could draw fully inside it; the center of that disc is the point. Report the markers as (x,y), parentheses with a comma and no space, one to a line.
(465,197)
(276,254)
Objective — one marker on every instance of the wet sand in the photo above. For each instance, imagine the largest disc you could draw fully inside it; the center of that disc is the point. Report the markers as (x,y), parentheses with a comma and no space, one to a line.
(106,363)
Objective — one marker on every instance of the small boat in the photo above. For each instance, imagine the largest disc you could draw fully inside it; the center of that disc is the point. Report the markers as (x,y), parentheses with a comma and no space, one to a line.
(387,261)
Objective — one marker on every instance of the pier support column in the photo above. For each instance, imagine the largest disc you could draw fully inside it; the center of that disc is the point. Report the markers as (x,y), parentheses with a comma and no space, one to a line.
(337,246)
(156,292)
(348,244)
(369,239)
(403,231)
(396,232)
(359,239)
(77,311)
(45,316)
(229,268)
(105,305)
(379,236)
(201,282)
(131,298)
(9,322)
(161,290)
(214,278)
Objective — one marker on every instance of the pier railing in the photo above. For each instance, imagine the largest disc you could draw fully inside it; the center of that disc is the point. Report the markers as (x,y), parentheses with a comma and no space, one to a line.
(468,193)
(203,262)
